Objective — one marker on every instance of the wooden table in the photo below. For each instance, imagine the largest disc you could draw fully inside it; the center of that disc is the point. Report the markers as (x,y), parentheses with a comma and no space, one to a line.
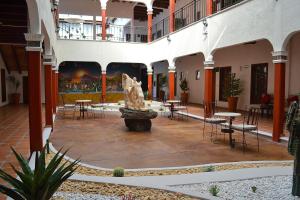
(172,103)
(229,130)
(82,103)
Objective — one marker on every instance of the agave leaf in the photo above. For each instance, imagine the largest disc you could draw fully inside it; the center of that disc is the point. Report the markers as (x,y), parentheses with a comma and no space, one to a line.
(10,180)
(23,163)
(26,180)
(10,192)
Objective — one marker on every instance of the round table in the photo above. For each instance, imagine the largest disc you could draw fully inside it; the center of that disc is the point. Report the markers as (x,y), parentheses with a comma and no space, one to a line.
(82,103)
(229,130)
(172,102)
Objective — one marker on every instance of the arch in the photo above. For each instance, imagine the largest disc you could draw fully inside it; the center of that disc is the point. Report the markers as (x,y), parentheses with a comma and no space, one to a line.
(287,39)
(47,45)
(34,17)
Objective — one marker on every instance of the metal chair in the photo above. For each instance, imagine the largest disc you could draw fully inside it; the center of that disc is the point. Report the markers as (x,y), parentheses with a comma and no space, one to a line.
(97,110)
(250,124)
(209,111)
(68,108)
(182,107)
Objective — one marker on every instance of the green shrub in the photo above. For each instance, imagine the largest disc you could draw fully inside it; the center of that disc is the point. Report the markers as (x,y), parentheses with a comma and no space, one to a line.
(254,189)
(214,190)
(209,169)
(118,172)
(40,183)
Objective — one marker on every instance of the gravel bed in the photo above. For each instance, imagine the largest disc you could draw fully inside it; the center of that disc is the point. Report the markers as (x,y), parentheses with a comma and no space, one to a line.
(269,188)
(82,196)
(97,172)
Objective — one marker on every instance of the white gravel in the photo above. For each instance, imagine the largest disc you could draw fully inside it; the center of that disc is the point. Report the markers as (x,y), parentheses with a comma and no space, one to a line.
(269,188)
(79,196)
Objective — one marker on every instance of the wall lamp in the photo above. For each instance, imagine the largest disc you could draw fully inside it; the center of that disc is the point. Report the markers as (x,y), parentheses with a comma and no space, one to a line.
(168,38)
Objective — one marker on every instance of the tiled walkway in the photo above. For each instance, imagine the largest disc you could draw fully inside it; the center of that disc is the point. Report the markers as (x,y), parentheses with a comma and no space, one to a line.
(105,142)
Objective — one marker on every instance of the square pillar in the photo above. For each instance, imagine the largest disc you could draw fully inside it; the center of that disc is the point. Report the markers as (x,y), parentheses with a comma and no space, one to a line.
(150,87)
(53,91)
(48,91)
(56,89)
(209,7)
(172,17)
(209,85)
(103,78)
(172,70)
(149,26)
(103,14)
(279,60)
(34,49)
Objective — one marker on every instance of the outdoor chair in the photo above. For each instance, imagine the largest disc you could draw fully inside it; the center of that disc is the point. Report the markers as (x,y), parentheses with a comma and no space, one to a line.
(67,109)
(209,111)
(250,125)
(182,108)
(164,108)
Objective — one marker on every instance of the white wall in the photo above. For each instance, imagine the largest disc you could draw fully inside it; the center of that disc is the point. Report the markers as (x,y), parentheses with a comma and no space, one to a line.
(2,66)
(189,65)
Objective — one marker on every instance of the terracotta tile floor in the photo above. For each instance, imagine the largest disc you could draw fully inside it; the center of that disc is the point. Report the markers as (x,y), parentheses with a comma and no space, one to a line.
(105,142)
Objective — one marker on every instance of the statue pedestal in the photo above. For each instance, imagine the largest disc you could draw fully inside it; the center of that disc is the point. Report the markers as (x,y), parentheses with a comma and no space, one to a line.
(137,120)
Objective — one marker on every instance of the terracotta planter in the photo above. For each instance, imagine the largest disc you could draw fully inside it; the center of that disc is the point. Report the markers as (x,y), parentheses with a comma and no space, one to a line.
(184,98)
(232,103)
(15,98)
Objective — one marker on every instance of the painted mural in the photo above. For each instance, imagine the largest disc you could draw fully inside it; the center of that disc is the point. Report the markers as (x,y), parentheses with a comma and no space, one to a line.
(79,77)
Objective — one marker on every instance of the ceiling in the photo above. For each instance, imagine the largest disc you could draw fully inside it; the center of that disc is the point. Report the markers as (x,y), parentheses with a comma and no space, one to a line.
(13,25)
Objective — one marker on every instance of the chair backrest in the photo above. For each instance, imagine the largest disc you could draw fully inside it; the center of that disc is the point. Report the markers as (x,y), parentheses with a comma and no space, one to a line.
(209,109)
(253,116)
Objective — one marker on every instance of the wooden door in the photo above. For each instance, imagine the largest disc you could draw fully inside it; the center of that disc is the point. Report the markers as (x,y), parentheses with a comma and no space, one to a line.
(25,89)
(3,85)
(259,82)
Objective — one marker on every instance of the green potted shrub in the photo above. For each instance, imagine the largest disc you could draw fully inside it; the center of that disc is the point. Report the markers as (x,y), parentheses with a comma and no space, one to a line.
(40,183)
(184,94)
(15,96)
(232,91)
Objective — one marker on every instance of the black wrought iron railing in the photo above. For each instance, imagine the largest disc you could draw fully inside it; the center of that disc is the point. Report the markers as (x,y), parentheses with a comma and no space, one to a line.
(219,5)
(192,12)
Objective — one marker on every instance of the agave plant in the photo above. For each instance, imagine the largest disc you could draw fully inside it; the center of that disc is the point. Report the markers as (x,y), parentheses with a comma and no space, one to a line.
(40,183)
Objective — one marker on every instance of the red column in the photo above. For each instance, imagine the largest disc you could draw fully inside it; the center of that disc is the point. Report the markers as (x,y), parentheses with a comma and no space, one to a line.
(53,92)
(209,85)
(56,89)
(103,86)
(209,7)
(103,14)
(172,11)
(171,84)
(150,86)
(48,95)
(149,26)
(35,101)
(279,59)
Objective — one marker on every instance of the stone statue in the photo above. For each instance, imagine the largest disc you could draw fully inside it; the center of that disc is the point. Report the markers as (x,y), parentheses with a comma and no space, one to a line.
(293,126)
(134,97)
(135,114)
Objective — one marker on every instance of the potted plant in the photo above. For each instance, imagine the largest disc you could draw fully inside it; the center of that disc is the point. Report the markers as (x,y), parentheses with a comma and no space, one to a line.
(15,96)
(39,183)
(184,94)
(232,92)
(162,83)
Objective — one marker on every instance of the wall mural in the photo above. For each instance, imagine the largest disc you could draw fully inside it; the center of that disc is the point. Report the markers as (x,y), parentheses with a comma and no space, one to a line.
(79,77)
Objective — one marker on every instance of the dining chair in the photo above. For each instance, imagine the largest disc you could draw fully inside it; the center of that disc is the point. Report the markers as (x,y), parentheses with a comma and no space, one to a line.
(67,108)
(209,111)
(250,125)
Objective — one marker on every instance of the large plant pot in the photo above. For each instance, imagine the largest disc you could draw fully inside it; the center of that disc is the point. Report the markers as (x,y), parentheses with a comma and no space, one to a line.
(184,98)
(232,103)
(15,98)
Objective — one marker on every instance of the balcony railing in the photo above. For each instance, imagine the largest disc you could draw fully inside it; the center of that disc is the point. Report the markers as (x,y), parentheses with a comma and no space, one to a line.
(192,12)
(219,5)
(90,31)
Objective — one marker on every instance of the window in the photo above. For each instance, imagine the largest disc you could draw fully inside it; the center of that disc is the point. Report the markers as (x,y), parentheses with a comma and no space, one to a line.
(223,84)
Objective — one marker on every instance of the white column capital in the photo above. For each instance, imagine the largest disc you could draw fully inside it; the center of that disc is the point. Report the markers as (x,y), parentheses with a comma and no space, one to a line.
(209,64)
(279,56)
(172,68)
(103,72)
(150,12)
(48,60)
(103,4)
(34,41)
(149,71)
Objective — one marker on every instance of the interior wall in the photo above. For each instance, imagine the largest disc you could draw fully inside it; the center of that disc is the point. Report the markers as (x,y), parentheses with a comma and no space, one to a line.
(188,65)
(294,64)
(2,66)
(160,68)
(240,58)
